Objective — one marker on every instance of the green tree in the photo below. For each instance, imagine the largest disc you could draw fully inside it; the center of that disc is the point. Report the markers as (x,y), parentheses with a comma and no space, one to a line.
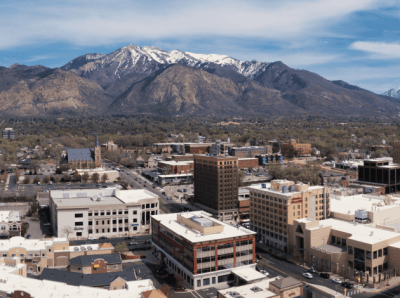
(121,247)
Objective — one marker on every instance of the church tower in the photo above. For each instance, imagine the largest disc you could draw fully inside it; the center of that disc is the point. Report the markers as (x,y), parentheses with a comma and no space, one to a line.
(97,153)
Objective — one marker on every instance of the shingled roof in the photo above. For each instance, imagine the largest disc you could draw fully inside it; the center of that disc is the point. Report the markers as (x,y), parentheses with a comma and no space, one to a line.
(89,259)
(89,280)
(83,154)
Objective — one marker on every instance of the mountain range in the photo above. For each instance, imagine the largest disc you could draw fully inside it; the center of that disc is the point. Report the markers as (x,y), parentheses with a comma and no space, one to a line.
(149,80)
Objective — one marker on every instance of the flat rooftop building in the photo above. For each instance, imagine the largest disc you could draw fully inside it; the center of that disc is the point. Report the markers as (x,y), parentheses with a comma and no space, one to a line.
(79,214)
(274,206)
(204,251)
(10,224)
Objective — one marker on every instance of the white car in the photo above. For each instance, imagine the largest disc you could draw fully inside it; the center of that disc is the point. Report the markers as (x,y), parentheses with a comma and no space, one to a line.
(337,281)
(307,275)
(92,238)
(264,272)
(133,243)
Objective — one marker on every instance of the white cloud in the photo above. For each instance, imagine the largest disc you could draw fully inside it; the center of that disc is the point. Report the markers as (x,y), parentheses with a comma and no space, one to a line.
(102,22)
(378,50)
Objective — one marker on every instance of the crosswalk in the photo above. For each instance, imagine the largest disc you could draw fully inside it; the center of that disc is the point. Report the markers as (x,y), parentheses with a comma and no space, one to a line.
(352,292)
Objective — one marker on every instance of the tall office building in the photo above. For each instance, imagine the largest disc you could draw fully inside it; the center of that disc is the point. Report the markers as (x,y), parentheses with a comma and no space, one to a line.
(216,185)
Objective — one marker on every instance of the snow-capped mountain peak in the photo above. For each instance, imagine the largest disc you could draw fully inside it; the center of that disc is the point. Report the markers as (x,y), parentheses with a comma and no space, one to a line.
(394,92)
(149,58)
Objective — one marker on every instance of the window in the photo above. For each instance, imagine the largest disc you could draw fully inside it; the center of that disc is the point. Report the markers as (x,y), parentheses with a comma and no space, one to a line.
(78,223)
(379,253)
(135,220)
(134,211)
(78,234)
(102,213)
(34,262)
(206,282)
(135,228)
(350,250)
(199,283)
(385,251)
(79,268)
(90,223)
(115,287)
(368,255)
(213,280)
(90,214)
(115,266)
(375,254)
(125,211)
(78,215)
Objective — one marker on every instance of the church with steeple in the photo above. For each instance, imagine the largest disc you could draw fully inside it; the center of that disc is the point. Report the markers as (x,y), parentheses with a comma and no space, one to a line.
(85,158)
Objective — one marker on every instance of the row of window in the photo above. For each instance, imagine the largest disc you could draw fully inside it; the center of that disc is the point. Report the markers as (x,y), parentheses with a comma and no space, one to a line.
(125,229)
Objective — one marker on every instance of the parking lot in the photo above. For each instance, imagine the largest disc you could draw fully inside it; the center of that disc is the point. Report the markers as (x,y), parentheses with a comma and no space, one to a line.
(173,190)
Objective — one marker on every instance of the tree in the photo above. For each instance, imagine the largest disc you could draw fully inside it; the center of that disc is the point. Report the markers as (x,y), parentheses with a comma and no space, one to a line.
(57,178)
(66,178)
(17,175)
(180,282)
(76,177)
(95,177)
(67,230)
(166,289)
(27,180)
(85,177)
(46,179)
(104,178)
(121,247)
(37,179)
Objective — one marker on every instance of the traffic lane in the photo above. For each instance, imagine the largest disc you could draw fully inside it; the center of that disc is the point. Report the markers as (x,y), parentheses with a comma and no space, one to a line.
(295,271)
(139,238)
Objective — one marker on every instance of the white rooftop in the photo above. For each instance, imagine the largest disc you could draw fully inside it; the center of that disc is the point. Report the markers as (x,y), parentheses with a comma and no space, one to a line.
(350,204)
(29,244)
(134,195)
(248,274)
(360,232)
(247,292)
(47,288)
(268,189)
(176,163)
(6,216)
(170,222)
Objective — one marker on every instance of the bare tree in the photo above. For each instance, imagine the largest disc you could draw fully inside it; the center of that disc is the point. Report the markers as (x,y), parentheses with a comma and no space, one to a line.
(166,289)
(27,180)
(67,230)
(57,178)
(46,179)
(179,281)
(85,177)
(95,177)
(37,179)
(104,178)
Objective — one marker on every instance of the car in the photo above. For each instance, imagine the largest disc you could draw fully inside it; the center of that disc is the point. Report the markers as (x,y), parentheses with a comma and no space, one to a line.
(127,173)
(104,186)
(129,237)
(50,182)
(336,281)
(264,272)
(184,190)
(343,178)
(142,257)
(169,198)
(136,179)
(38,183)
(259,256)
(47,224)
(145,185)
(103,237)
(133,243)
(164,193)
(260,175)
(324,275)
(147,241)
(307,275)
(92,238)
(312,270)
(347,285)
(28,236)
(180,190)
(140,182)
(98,184)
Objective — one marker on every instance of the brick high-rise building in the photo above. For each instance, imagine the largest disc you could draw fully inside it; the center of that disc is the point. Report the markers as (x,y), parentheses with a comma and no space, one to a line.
(216,185)
(273,207)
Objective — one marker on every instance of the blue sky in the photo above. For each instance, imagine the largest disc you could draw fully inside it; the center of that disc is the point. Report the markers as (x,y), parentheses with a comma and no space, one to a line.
(357,41)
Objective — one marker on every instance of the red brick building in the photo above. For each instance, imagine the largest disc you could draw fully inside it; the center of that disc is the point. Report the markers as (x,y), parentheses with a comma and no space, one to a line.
(299,149)
(175,167)
(248,163)
(201,249)
(198,148)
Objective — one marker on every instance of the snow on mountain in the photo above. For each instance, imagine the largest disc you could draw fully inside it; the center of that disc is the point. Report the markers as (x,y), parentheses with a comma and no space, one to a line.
(394,92)
(142,59)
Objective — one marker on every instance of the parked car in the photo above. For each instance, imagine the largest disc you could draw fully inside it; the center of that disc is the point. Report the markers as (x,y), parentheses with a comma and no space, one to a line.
(169,198)
(28,236)
(312,270)
(264,272)
(324,275)
(347,285)
(180,190)
(92,238)
(133,243)
(104,186)
(337,281)
(98,184)
(184,190)
(103,237)
(129,237)
(136,179)
(307,275)
(47,224)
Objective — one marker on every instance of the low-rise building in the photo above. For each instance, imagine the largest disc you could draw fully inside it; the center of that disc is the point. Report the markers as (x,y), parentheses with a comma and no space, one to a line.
(9,133)
(79,214)
(10,224)
(175,167)
(16,284)
(244,207)
(249,151)
(184,157)
(265,159)
(248,162)
(295,149)
(174,179)
(267,288)
(344,247)
(198,148)
(48,253)
(274,206)
(95,264)
(110,146)
(204,251)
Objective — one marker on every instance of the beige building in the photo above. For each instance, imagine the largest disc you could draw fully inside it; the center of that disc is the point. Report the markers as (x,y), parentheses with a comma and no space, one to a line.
(110,146)
(346,248)
(79,214)
(10,224)
(274,206)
